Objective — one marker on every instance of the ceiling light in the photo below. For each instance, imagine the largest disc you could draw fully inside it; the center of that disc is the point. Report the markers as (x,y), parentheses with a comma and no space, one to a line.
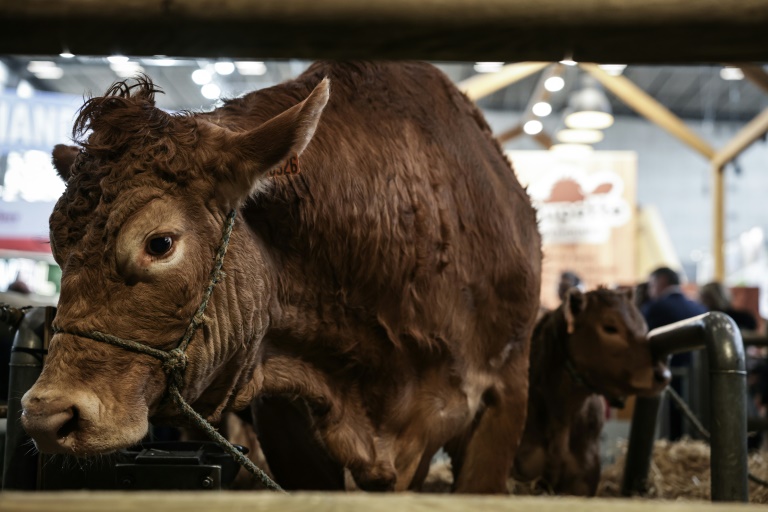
(201,76)
(579,136)
(568,62)
(224,67)
(730,73)
(159,60)
(589,107)
(488,67)
(45,69)
(251,67)
(211,91)
(554,84)
(126,69)
(24,89)
(541,109)
(117,59)
(66,55)
(613,69)
(533,127)
(571,150)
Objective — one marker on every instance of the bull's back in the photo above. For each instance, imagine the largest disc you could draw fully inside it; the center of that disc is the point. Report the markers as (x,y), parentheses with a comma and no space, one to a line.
(407,208)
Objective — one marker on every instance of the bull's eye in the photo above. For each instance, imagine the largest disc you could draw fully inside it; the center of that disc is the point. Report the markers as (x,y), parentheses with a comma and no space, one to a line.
(610,329)
(160,245)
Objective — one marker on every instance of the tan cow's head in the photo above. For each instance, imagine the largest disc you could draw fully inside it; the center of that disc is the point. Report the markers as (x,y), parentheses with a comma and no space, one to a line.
(607,344)
(135,234)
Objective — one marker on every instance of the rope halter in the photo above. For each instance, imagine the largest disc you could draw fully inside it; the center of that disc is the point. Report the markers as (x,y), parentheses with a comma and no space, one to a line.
(174,361)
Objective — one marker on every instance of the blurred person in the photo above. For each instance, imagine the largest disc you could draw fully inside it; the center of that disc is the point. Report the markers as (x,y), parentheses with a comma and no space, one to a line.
(568,280)
(641,295)
(668,305)
(716,297)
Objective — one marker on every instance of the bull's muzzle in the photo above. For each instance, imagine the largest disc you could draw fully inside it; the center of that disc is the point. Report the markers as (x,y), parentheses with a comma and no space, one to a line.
(54,419)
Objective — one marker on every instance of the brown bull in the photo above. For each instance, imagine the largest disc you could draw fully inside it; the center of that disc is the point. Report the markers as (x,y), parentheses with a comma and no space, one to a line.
(594,344)
(385,283)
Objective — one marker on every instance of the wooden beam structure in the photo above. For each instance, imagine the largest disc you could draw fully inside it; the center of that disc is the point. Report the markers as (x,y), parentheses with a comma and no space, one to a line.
(177,501)
(718,222)
(483,84)
(646,106)
(508,135)
(752,131)
(544,139)
(651,31)
(757,75)
(741,141)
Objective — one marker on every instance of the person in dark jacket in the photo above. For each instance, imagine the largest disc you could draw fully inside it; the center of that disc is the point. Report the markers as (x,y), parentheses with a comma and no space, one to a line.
(669,305)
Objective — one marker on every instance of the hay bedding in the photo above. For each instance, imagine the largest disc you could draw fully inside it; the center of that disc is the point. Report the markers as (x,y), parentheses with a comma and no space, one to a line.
(680,470)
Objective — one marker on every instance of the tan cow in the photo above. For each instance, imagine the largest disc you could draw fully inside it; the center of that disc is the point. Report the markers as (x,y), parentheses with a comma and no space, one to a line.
(382,274)
(592,346)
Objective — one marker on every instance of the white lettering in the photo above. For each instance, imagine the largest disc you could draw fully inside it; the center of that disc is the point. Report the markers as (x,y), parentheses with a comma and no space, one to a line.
(20,125)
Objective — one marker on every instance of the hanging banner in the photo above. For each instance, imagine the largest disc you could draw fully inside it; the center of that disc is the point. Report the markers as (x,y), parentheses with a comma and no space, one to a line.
(586,213)
(39,122)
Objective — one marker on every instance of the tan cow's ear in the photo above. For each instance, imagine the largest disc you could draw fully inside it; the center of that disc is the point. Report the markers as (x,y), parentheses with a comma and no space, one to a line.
(286,135)
(63,158)
(575,302)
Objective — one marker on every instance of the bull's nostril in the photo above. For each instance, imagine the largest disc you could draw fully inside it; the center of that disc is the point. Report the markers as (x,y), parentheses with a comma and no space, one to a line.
(70,425)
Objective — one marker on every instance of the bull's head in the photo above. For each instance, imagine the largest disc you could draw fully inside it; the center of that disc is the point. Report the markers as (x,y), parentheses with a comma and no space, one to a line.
(136,233)
(607,344)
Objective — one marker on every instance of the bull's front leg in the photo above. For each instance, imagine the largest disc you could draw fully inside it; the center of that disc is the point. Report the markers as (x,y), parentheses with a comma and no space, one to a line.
(337,419)
(486,451)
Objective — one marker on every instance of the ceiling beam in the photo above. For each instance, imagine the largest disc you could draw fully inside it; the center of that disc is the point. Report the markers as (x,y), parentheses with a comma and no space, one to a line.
(752,131)
(652,31)
(646,106)
(508,135)
(544,139)
(483,84)
(757,75)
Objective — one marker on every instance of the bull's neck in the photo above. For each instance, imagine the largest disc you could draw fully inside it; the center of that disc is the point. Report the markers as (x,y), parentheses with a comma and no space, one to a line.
(240,317)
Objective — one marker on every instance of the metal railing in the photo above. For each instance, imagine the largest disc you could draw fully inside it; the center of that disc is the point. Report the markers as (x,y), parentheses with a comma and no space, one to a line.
(718,334)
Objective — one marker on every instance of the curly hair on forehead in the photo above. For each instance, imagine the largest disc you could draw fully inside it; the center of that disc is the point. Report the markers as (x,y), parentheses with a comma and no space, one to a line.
(126,116)
(124,136)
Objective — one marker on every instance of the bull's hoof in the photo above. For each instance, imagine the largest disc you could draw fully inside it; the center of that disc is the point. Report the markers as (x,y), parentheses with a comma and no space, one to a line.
(380,477)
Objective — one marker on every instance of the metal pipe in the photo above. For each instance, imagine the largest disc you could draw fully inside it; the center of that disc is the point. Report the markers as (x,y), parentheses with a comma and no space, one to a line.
(20,464)
(718,334)
(638,461)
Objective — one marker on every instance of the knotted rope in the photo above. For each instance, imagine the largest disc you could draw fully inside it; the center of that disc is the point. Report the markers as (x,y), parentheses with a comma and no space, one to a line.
(174,362)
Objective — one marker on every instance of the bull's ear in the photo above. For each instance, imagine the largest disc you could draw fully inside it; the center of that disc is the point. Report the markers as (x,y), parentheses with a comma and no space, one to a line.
(63,158)
(575,302)
(254,153)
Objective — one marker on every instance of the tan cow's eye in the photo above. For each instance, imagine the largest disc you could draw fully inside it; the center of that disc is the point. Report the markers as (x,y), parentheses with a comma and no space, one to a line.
(160,245)
(610,329)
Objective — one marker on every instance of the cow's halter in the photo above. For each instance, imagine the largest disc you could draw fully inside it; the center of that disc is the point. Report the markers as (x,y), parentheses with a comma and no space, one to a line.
(174,361)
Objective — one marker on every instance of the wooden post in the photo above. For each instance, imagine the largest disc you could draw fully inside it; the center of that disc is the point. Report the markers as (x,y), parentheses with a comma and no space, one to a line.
(718,220)
(741,141)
